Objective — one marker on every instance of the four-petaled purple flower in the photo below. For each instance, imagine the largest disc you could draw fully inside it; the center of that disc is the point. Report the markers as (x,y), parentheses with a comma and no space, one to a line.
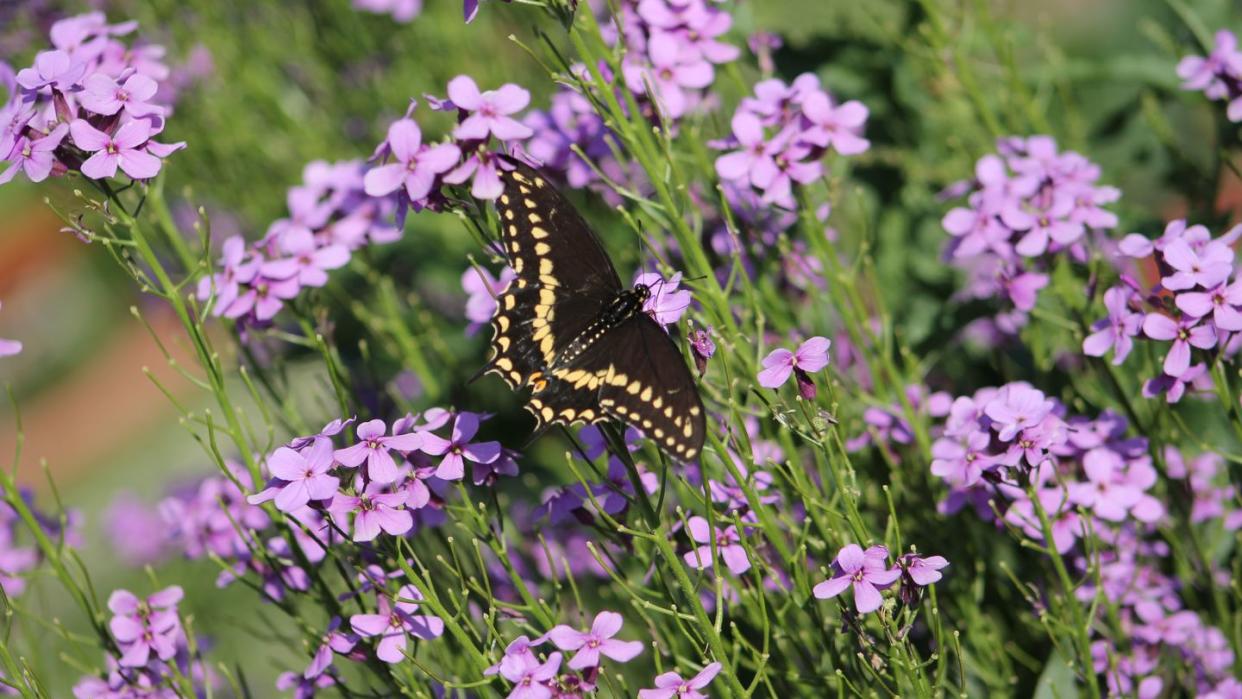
(866,571)
(126,150)
(459,449)
(489,111)
(667,303)
(810,356)
(670,685)
(417,164)
(395,623)
(728,545)
(374,511)
(1185,333)
(532,680)
(34,157)
(1117,331)
(373,447)
(590,645)
(299,477)
(102,95)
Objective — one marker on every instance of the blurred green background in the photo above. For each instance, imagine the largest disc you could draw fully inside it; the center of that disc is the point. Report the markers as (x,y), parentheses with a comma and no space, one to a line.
(293,82)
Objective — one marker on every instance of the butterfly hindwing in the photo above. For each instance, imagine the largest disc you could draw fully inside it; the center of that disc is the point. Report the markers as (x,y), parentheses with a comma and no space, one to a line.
(641,378)
(515,355)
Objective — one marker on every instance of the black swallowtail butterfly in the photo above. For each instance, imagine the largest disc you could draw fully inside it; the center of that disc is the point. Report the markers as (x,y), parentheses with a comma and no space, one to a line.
(567,329)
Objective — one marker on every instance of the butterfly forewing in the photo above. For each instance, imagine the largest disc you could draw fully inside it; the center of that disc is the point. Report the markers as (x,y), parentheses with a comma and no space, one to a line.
(546,239)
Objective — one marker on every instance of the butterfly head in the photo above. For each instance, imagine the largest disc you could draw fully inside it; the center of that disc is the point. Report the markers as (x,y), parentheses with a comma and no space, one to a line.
(641,292)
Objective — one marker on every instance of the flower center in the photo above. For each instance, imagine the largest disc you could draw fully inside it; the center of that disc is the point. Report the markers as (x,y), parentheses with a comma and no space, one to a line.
(372,444)
(111,148)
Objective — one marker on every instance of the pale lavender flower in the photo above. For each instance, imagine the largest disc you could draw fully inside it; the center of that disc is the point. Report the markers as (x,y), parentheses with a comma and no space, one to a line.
(1017,406)
(459,449)
(307,260)
(401,10)
(667,302)
(102,95)
(395,622)
(1117,331)
(1184,333)
(728,545)
(811,356)
(670,685)
(1220,301)
(591,645)
(488,111)
(1206,267)
(837,127)
(299,478)
(55,69)
(126,150)
(143,628)
(373,447)
(532,681)
(36,158)
(866,571)
(417,165)
(373,511)
(334,641)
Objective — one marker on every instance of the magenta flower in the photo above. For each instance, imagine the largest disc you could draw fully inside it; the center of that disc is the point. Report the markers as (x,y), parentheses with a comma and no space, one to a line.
(667,303)
(1220,301)
(303,687)
(102,95)
(596,642)
(962,462)
(308,261)
(1185,333)
(36,158)
(836,127)
(670,685)
(673,70)
(866,571)
(739,166)
(373,447)
(532,681)
(459,449)
(519,656)
(145,627)
(374,511)
(395,623)
(482,289)
(1206,268)
(922,571)
(702,347)
(1016,407)
(299,477)
(484,168)
(728,545)
(1116,332)
(334,641)
(55,69)
(126,150)
(489,111)
(417,164)
(1174,387)
(810,356)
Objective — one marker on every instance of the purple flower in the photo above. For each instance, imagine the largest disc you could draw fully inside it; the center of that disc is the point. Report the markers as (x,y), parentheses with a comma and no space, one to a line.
(102,95)
(373,448)
(299,477)
(484,167)
(1184,333)
(483,289)
(126,150)
(488,111)
(55,69)
(401,10)
(8,348)
(1220,301)
(145,627)
(307,261)
(1116,332)
(519,655)
(702,347)
(395,623)
(672,70)
(728,545)
(811,356)
(670,685)
(922,571)
(36,158)
(1017,406)
(1174,387)
(334,641)
(868,573)
(532,681)
(596,642)
(374,511)
(667,303)
(417,164)
(836,127)
(303,687)
(962,462)
(739,166)
(1206,268)
(459,449)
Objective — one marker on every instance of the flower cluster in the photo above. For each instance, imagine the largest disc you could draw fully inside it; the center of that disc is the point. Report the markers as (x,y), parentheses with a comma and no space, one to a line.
(868,571)
(1028,202)
(1193,306)
(90,103)
(330,216)
(781,134)
(154,650)
(887,427)
(1218,75)
(672,47)
(535,679)
(1014,451)
(481,116)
